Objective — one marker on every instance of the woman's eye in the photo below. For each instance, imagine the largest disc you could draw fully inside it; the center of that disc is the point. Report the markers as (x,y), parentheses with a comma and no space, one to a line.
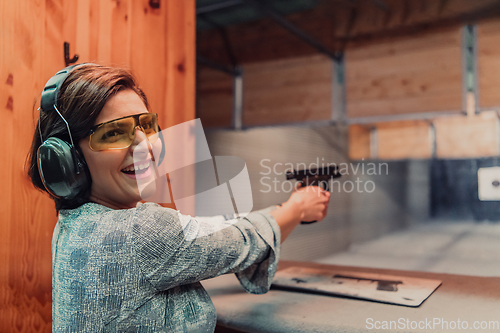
(111,135)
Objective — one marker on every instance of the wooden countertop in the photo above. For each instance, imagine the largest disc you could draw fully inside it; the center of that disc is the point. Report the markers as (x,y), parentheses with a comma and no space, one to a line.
(460,300)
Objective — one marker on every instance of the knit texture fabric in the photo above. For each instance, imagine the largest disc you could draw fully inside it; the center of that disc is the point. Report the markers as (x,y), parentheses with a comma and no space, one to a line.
(138,270)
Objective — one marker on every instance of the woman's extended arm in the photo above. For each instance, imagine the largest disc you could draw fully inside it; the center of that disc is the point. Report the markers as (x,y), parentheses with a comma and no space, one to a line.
(308,203)
(174,249)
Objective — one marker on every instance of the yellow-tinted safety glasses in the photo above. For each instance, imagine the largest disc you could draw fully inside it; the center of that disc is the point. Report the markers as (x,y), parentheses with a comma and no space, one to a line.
(120,133)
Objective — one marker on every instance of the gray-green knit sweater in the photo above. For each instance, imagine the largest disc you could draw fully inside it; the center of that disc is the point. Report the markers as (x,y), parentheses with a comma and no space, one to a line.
(138,270)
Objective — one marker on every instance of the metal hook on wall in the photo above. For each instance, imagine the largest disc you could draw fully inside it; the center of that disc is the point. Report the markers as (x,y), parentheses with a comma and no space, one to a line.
(67,60)
(155,4)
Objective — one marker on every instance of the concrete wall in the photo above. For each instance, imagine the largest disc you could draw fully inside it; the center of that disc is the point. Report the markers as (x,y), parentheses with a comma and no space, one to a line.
(391,195)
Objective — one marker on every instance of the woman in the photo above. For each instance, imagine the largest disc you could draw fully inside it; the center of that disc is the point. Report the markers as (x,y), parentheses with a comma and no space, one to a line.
(121,266)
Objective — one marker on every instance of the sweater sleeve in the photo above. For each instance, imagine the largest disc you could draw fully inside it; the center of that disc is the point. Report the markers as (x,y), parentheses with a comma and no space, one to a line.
(174,249)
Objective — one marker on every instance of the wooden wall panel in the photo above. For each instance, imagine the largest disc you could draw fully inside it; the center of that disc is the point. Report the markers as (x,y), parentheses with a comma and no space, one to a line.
(404,139)
(359,142)
(455,137)
(488,57)
(412,75)
(179,62)
(121,28)
(149,53)
(158,39)
(287,91)
(463,137)
(32,33)
(214,98)
(6,107)
(27,218)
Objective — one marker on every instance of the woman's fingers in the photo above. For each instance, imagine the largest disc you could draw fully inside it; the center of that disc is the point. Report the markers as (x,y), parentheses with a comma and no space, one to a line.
(313,201)
(325,210)
(325,201)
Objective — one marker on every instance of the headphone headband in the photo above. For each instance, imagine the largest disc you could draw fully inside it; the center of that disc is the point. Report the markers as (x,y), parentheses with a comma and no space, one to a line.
(51,90)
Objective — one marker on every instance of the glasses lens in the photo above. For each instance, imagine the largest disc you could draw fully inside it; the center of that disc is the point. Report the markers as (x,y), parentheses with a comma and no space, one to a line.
(121,133)
(149,124)
(113,135)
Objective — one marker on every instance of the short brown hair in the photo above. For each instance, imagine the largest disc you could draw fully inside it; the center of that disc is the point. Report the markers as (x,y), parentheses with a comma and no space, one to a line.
(81,98)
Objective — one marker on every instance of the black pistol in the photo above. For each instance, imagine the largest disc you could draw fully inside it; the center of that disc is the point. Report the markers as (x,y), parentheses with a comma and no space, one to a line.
(314,177)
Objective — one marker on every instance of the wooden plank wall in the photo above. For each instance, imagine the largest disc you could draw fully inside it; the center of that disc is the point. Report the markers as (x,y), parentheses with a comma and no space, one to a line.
(407,75)
(453,137)
(214,98)
(475,135)
(467,137)
(404,76)
(488,63)
(157,44)
(394,140)
(274,92)
(287,91)
(359,142)
(404,139)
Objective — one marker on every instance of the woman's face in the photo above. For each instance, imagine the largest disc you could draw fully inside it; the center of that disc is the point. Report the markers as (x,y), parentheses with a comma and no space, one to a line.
(113,183)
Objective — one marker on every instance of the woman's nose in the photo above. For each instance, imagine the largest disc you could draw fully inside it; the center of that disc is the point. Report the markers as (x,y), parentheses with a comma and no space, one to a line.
(140,143)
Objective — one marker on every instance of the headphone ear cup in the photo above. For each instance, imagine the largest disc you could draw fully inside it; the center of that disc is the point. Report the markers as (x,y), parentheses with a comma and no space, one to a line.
(57,169)
(82,164)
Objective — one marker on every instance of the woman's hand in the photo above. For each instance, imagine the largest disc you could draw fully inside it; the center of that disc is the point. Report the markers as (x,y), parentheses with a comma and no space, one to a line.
(308,203)
(312,202)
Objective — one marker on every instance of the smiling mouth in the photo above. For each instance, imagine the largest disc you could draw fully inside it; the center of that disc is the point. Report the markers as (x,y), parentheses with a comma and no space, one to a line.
(137,169)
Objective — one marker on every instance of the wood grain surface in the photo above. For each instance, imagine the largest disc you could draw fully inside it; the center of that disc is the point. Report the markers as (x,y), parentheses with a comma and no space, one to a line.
(401,76)
(156,44)
(488,64)
(467,137)
(215,91)
(359,142)
(287,91)
(404,139)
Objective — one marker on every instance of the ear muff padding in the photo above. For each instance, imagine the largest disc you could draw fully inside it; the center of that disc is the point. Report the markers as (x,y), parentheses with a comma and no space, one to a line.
(61,176)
